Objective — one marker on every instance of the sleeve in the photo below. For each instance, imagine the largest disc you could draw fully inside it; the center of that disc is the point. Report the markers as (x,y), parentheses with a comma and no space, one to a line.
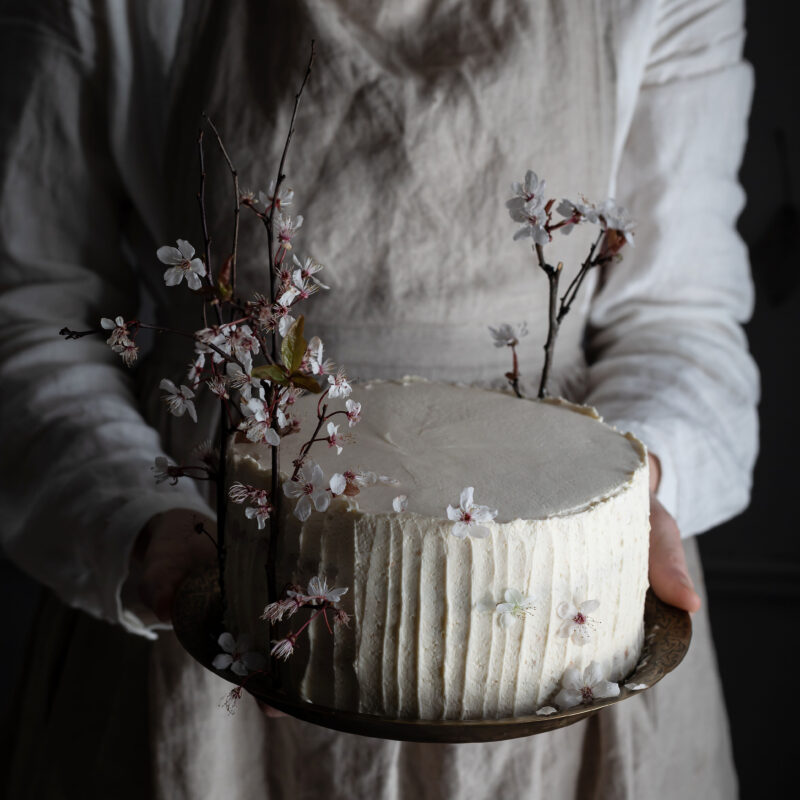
(76,482)
(668,357)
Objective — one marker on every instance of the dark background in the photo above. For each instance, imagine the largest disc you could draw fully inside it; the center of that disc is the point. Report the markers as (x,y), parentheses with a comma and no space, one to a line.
(752,563)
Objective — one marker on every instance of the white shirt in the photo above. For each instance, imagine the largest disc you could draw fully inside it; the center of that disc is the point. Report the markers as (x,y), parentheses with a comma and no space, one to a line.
(413,126)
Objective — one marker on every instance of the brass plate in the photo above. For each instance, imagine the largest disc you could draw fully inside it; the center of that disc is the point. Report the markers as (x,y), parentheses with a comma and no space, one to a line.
(196,612)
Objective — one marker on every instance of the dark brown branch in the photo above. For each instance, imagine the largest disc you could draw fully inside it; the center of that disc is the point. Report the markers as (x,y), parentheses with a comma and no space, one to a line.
(201,200)
(574,287)
(237,206)
(553,276)
(275,460)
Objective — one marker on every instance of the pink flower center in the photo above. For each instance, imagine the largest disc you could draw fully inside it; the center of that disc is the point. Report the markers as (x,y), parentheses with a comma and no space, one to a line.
(587,694)
(579,619)
(308,488)
(466,517)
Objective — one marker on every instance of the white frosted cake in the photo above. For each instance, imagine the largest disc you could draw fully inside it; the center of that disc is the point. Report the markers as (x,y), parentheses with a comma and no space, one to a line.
(442,626)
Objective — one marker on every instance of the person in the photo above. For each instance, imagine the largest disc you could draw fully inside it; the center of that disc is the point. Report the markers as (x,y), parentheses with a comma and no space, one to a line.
(415,120)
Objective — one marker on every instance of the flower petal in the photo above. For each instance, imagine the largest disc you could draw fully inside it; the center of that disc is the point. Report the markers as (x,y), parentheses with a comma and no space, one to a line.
(303,508)
(589,606)
(227,642)
(222,661)
(185,249)
(466,497)
(566,611)
(169,255)
(605,689)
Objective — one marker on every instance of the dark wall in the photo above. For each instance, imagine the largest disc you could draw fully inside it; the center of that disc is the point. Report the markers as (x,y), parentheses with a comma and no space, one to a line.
(752,563)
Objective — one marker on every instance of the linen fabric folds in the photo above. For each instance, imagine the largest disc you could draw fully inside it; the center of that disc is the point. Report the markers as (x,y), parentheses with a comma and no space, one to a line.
(417,118)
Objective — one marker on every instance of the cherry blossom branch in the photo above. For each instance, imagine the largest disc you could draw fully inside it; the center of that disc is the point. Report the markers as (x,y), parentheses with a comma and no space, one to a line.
(298,462)
(275,459)
(278,181)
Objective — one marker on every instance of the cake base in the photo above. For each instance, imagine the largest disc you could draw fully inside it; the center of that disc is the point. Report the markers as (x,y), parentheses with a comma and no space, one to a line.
(197,615)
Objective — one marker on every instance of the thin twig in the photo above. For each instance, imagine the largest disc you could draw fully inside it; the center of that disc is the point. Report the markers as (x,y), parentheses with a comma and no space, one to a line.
(553,276)
(201,200)
(237,206)
(272,589)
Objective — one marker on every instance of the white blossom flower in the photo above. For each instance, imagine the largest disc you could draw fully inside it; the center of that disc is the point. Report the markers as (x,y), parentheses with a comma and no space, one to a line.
(178,400)
(162,472)
(118,328)
(515,607)
(127,350)
(400,503)
(243,343)
(194,374)
(353,412)
(256,422)
(635,687)
(288,296)
(243,381)
(260,513)
(218,385)
(339,386)
(246,493)
(318,590)
(317,363)
(584,688)
(182,264)
(286,228)
(286,607)
(281,200)
(616,218)
(309,269)
(546,711)
(577,212)
(577,622)
(283,648)
(469,518)
(309,487)
(305,286)
(528,207)
(237,655)
(334,439)
(506,335)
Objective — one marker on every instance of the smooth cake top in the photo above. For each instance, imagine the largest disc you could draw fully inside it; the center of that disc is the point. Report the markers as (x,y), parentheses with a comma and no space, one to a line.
(529,459)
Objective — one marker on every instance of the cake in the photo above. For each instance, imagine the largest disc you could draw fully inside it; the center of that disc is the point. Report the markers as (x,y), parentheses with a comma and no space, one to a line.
(445,626)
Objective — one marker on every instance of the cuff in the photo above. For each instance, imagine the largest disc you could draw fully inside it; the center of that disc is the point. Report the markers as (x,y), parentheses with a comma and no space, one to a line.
(123,528)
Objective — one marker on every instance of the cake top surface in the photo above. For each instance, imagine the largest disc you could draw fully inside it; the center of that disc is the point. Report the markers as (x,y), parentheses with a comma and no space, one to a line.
(528,459)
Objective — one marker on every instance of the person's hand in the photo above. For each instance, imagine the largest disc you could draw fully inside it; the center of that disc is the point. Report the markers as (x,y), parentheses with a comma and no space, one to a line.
(669,575)
(168,549)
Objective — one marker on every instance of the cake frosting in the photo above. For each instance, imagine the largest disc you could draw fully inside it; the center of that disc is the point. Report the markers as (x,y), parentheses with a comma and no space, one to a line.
(431,633)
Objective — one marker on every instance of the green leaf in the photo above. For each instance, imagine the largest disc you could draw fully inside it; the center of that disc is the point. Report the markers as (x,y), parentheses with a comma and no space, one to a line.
(294,346)
(305,382)
(224,290)
(273,372)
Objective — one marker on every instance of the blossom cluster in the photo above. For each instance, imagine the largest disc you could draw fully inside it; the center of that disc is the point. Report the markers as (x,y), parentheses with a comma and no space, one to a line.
(530,206)
(317,596)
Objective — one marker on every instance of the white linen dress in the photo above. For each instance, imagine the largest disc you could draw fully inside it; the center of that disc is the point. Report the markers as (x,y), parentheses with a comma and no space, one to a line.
(417,118)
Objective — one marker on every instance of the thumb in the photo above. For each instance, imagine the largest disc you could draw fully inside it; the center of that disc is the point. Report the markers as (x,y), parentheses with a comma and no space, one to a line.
(669,575)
